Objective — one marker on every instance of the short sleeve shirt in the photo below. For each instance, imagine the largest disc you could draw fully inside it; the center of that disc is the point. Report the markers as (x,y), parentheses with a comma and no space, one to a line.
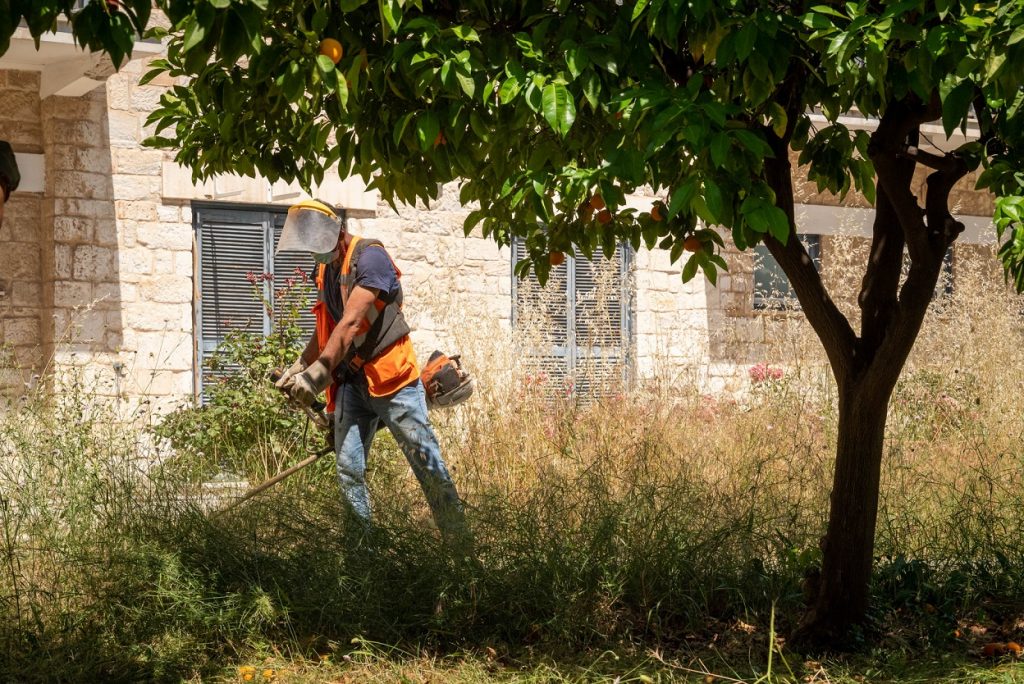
(374,270)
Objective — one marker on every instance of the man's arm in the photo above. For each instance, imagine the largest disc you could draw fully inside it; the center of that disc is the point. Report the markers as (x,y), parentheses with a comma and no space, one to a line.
(359,302)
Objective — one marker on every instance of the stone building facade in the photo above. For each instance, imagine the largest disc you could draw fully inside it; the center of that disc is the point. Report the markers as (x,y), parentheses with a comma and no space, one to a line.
(99,261)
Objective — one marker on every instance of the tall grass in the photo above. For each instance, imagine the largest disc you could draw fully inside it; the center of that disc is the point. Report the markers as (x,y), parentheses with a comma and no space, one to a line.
(654,517)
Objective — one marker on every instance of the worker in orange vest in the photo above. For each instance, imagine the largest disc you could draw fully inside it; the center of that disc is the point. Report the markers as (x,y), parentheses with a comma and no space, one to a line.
(361,353)
(9,176)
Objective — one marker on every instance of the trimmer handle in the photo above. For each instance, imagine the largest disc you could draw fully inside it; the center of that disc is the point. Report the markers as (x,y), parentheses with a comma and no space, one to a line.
(315,411)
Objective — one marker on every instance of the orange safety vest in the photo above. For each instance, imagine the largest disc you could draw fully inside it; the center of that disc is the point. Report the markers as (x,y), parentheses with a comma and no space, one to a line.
(390,366)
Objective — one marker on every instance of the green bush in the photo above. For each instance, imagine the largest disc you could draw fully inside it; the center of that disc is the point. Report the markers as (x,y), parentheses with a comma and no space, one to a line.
(243,425)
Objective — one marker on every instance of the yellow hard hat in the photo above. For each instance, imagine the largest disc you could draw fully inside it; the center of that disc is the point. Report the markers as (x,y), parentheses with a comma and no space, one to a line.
(311,226)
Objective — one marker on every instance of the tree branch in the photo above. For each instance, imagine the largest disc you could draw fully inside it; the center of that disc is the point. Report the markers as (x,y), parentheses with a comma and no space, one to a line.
(824,316)
(888,142)
(877,297)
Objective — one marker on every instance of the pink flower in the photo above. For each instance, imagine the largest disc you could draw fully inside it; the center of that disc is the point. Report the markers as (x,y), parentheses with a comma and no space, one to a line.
(251,277)
(762,372)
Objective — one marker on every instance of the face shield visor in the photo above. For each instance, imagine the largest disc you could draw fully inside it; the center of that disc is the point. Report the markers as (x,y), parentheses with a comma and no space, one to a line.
(311,226)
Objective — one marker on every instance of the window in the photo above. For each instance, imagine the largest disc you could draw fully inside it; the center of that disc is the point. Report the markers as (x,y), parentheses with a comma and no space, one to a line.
(771,286)
(235,245)
(578,328)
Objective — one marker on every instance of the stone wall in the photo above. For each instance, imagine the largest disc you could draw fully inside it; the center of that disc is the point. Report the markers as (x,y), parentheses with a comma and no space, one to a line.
(21,300)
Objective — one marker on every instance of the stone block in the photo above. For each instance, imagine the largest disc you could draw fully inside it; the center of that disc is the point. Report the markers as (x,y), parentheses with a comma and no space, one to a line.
(130,187)
(123,128)
(27,294)
(21,105)
(166,237)
(78,133)
(146,316)
(183,264)
(90,208)
(105,233)
(136,210)
(146,98)
(108,293)
(79,184)
(135,261)
(167,290)
(137,161)
(72,229)
(20,261)
(21,331)
(23,80)
(62,261)
(68,294)
(163,261)
(24,136)
(94,264)
(168,213)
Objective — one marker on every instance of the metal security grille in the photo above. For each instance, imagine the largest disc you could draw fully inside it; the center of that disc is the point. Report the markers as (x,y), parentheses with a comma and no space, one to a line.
(578,328)
(235,243)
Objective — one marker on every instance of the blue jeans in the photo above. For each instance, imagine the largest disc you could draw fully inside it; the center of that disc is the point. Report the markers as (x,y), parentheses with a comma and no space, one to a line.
(357,415)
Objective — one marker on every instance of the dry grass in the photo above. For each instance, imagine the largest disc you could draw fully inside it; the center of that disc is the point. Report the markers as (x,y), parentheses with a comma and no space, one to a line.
(655,522)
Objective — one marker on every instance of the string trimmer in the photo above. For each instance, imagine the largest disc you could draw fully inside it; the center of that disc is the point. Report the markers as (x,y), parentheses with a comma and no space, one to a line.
(322,422)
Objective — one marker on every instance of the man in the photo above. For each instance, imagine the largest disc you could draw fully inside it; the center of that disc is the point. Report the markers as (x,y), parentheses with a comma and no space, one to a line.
(362,354)
(9,176)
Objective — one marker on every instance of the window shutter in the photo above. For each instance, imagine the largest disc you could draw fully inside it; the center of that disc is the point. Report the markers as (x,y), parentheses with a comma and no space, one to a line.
(541,318)
(231,245)
(579,323)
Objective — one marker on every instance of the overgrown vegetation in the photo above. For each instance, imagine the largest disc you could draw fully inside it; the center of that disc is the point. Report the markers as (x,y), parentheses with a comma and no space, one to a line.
(652,534)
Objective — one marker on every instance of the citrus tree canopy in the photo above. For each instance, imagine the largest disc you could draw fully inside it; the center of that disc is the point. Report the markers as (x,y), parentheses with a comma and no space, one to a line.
(550,112)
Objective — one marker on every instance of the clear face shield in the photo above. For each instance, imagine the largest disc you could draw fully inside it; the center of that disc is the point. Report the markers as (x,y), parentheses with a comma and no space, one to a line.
(311,226)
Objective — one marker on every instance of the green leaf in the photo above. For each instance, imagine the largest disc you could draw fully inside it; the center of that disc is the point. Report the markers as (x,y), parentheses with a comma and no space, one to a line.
(1016,36)
(682,197)
(509,89)
(194,34)
(955,104)
(559,109)
(390,13)
(325,64)
(714,201)
(466,33)
(638,9)
(466,82)
(427,128)
(720,144)
(690,269)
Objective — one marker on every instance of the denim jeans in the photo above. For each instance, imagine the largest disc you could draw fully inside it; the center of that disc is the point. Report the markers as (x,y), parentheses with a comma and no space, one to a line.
(357,415)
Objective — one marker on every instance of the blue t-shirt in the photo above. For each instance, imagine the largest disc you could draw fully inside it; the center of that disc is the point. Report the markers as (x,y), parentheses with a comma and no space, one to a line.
(373,271)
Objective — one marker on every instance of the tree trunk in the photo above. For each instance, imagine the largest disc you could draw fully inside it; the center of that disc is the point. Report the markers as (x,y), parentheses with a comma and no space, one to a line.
(842,591)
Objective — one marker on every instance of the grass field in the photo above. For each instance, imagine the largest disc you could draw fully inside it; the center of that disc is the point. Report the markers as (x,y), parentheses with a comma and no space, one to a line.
(655,535)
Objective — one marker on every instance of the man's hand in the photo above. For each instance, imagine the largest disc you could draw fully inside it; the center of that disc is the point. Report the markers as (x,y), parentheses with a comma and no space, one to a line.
(310,383)
(284,382)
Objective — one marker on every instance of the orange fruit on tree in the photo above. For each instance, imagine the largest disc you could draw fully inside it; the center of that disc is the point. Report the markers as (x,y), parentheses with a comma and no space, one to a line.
(597,202)
(604,216)
(556,258)
(656,214)
(331,49)
(693,244)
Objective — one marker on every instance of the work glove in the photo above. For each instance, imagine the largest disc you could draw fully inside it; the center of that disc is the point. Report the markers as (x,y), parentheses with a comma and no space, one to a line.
(310,383)
(286,379)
